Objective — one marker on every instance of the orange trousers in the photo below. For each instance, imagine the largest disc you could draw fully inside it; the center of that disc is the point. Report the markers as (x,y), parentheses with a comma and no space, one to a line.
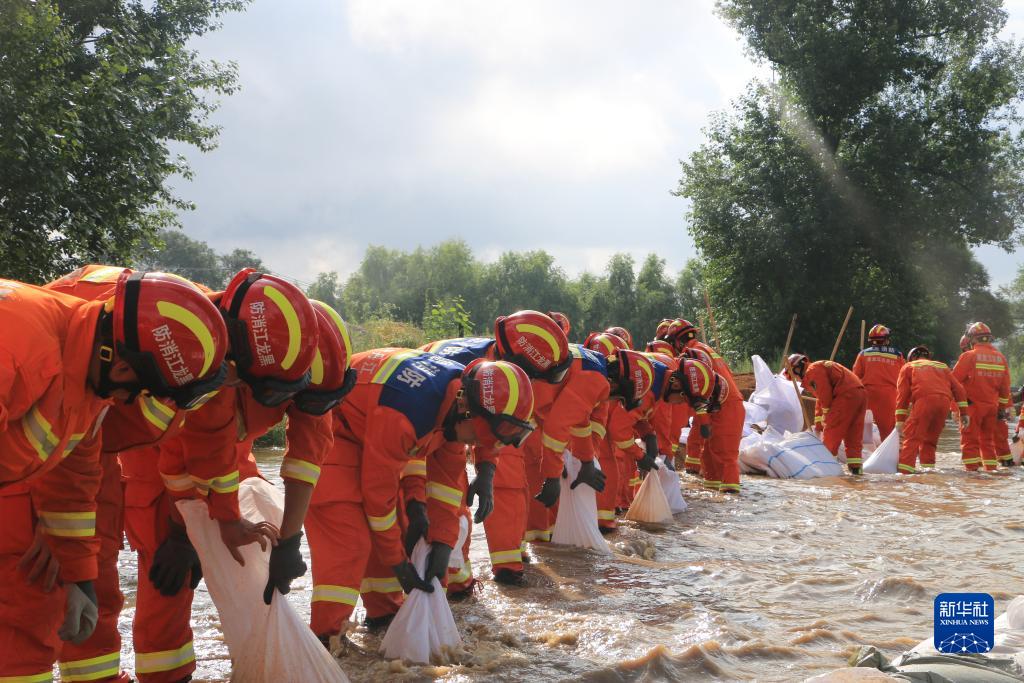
(1001,441)
(694,450)
(921,432)
(540,520)
(720,457)
(977,442)
(506,526)
(29,617)
(629,478)
(607,499)
(844,424)
(99,657)
(460,580)
(882,404)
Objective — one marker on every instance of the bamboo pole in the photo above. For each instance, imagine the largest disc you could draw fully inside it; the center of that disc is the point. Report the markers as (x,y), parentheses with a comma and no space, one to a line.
(842,331)
(789,339)
(863,324)
(711,321)
(703,334)
(792,376)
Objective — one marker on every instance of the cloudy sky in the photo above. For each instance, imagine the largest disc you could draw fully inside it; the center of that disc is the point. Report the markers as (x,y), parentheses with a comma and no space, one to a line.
(513,125)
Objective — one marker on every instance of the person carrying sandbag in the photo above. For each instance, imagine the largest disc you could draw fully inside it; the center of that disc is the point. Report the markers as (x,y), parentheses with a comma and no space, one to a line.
(841,402)
(923,392)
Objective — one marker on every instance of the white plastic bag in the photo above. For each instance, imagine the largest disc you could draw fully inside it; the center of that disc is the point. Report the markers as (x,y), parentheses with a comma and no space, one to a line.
(576,523)
(649,504)
(424,626)
(886,458)
(267,643)
(802,456)
(457,559)
(670,484)
(757,450)
(1016,450)
(775,393)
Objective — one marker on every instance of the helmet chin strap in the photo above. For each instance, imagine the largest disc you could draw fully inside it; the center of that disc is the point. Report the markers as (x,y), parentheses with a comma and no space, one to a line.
(107,386)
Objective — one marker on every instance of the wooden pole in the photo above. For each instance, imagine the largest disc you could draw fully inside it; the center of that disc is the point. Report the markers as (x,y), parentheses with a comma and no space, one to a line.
(799,399)
(842,331)
(863,324)
(703,334)
(789,339)
(711,321)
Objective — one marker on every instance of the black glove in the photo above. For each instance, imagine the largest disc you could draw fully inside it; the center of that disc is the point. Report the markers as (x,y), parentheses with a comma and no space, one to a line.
(650,460)
(670,461)
(705,431)
(437,562)
(285,564)
(409,579)
(483,486)
(1002,414)
(418,524)
(589,475)
(548,495)
(174,560)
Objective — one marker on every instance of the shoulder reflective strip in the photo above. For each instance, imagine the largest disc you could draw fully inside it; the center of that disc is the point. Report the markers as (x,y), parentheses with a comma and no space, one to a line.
(104,274)
(624,444)
(990,366)
(72,443)
(538,535)
(598,428)
(156,416)
(293,468)
(39,433)
(68,524)
(387,584)
(415,468)
(507,556)
(382,523)
(34,678)
(445,494)
(581,432)
(291,319)
(462,575)
(556,353)
(165,660)
(606,515)
(553,444)
(104,666)
(178,482)
(879,354)
(574,351)
(343,594)
(906,468)
(316,370)
(200,331)
(391,364)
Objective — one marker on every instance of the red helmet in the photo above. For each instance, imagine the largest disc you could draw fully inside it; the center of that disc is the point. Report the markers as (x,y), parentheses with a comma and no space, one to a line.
(622,333)
(605,343)
(680,332)
(698,380)
(698,354)
(965,343)
(799,363)
(330,376)
(273,331)
(534,342)
(500,398)
(562,319)
(633,374)
(663,328)
(979,332)
(919,352)
(879,334)
(661,346)
(169,333)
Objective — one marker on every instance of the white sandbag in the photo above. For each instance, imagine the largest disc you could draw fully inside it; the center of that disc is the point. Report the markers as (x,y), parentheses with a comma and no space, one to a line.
(576,523)
(267,643)
(684,434)
(1016,450)
(777,396)
(754,413)
(670,484)
(457,560)
(803,456)
(757,449)
(868,434)
(649,504)
(424,628)
(886,458)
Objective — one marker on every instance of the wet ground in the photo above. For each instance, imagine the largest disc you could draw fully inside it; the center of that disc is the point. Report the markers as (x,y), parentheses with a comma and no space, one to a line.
(780,584)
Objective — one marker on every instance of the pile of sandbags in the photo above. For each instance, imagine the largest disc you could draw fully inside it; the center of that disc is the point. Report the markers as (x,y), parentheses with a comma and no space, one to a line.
(775,395)
(793,456)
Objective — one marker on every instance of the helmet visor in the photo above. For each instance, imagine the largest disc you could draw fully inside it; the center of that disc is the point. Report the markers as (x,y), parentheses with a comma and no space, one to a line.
(316,402)
(272,392)
(511,431)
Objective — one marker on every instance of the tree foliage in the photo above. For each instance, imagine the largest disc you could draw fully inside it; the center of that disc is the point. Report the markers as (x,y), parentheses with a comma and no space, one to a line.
(91,96)
(885,150)
(174,252)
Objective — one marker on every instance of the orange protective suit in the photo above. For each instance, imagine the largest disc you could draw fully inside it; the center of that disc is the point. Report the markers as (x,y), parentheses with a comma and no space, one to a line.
(985,375)
(842,401)
(695,443)
(608,499)
(924,391)
(49,464)
(392,418)
(720,457)
(878,368)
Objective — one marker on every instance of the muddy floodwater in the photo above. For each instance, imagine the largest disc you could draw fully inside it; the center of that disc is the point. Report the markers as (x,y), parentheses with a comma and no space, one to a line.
(783,583)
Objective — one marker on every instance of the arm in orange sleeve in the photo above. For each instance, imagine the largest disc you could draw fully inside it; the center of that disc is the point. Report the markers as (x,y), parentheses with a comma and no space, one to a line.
(65,502)
(1004,389)
(681,413)
(390,444)
(818,377)
(858,365)
(621,431)
(571,410)
(206,454)
(963,371)
(446,488)
(959,393)
(309,438)
(903,392)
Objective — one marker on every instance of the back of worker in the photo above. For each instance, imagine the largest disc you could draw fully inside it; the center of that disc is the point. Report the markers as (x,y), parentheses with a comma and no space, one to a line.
(878,367)
(924,392)
(985,375)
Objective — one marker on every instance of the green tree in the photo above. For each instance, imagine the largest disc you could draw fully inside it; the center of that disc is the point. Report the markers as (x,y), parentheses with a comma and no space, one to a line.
(91,95)
(238,259)
(655,299)
(175,252)
(447,319)
(326,288)
(1014,340)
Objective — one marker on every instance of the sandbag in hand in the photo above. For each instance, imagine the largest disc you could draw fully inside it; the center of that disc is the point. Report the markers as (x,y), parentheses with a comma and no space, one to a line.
(589,475)
(409,579)
(649,461)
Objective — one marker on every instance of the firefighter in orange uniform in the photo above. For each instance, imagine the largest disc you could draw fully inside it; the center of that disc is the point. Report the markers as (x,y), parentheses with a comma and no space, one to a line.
(67,363)
(924,391)
(878,367)
(562,319)
(841,401)
(985,375)
(406,404)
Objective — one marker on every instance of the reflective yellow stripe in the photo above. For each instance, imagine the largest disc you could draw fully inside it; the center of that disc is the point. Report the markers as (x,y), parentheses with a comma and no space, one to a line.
(316,370)
(382,523)
(392,364)
(581,432)
(513,390)
(996,367)
(927,464)
(39,433)
(961,404)
(380,585)
(553,444)
(538,535)
(635,481)
(556,353)
(177,482)
(72,443)
(906,468)
(598,428)
(445,494)
(902,411)
(165,660)
(155,412)
(104,666)
(991,463)
(415,468)
(34,678)
(291,319)
(972,461)
(627,443)
(68,524)
(462,575)
(293,468)
(1004,401)
(729,487)
(507,556)
(200,331)
(606,515)
(709,484)
(227,483)
(819,418)
(854,461)
(328,593)
(691,460)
